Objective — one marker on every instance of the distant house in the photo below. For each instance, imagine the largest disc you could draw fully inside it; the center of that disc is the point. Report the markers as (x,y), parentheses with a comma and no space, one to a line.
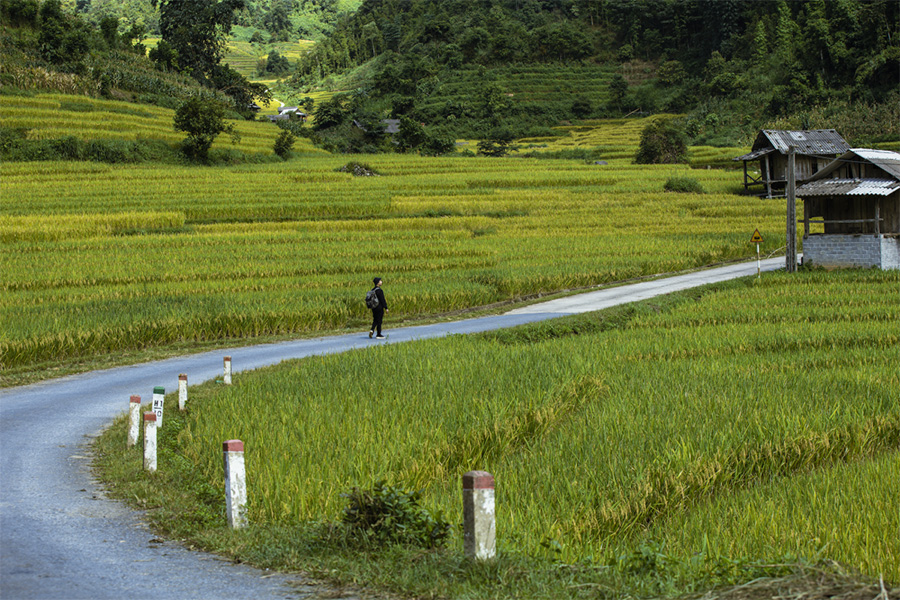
(857,197)
(291,111)
(391,126)
(814,149)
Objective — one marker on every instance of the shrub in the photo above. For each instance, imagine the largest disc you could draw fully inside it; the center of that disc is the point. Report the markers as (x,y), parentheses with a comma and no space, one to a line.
(203,120)
(386,514)
(686,185)
(662,142)
(283,143)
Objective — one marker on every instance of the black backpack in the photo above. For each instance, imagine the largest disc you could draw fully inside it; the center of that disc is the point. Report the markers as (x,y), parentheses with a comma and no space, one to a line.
(372,299)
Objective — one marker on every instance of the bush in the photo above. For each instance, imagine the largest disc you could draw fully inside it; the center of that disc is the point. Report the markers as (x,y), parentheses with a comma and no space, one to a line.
(386,515)
(203,120)
(685,185)
(283,143)
(662,142)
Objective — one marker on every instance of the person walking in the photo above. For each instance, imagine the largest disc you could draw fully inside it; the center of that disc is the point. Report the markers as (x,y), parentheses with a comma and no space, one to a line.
(379,310)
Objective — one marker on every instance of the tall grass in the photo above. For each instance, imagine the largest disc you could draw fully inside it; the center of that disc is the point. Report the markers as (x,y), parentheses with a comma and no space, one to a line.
(602,441)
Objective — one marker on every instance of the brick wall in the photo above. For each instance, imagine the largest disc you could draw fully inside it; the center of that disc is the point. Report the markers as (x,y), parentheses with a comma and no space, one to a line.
(852,251)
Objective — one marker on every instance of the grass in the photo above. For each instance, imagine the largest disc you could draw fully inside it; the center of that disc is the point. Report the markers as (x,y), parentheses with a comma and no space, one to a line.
(279,248)
(783,454)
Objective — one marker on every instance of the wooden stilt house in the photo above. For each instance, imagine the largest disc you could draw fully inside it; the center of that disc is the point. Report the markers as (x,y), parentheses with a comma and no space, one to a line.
(857,198)
(814,149)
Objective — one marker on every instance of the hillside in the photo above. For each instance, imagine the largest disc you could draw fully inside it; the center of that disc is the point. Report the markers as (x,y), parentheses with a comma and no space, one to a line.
(742,64)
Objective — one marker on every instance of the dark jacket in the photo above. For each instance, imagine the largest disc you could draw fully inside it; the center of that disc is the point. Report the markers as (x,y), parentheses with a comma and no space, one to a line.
(382,303)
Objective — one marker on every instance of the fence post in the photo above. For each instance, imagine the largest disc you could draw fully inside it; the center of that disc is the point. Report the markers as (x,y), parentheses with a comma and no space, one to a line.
(182,391)
(235,483)
(227,378)
(134,421)
(159,403)
(479,528)
(150,442)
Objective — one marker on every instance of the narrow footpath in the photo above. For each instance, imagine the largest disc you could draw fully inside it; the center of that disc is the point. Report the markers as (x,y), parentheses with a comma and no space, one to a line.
(60,537)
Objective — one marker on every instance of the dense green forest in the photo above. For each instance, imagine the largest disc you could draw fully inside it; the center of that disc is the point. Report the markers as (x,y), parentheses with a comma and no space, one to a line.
(735,59)
(273,19)
(496,69)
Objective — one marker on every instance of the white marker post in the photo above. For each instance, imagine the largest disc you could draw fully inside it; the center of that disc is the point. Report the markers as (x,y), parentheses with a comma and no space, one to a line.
(159,401)
(134,421)
(182,391)
(227,370)
(150,442)
(479,526)
(235,483)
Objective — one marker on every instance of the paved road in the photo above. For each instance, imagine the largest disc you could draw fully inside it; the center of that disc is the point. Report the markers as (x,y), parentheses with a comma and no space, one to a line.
(61,538)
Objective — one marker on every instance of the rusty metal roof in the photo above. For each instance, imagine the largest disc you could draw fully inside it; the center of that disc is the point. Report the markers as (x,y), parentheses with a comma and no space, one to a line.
(849,187)
(812,141)
(755,154)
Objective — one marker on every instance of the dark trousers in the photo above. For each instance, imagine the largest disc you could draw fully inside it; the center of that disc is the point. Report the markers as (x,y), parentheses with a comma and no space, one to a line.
(377,318)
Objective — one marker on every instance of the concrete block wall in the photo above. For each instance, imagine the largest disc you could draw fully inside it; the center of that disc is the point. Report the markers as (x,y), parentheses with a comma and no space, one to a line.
(852,251)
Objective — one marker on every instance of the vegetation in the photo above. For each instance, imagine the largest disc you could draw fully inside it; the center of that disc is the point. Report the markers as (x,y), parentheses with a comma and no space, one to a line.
(714,438)
(732,65)
(203,120)
(281,252)
(676,445)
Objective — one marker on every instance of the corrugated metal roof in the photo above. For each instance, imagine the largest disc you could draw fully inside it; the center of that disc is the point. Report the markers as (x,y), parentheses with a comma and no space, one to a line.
(755,154)
(886,159)
(849,187)
(812,141)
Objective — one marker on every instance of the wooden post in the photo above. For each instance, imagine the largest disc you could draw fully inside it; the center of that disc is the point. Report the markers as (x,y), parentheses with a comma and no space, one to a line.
(479,528)
(182,391)
(768,177)
(150,442)
(134,421)
(877,217)
(791,259)
(235,483)
(805,219)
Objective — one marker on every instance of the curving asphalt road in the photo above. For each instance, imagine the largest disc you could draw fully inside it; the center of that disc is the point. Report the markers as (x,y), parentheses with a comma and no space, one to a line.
(60,537)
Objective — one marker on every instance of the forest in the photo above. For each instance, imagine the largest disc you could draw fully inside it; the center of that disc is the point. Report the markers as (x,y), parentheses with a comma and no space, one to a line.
(778,57)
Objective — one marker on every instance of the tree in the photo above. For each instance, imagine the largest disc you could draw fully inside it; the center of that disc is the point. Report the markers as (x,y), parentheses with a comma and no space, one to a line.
(277,64)
(164,56)
(109,29)
(663,141)
(330,113)
(618,90)
(497,143)
(203,120)
(283,143)
(196,30)
(63,39)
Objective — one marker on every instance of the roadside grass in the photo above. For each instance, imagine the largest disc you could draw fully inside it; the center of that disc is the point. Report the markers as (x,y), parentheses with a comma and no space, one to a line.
(782,519)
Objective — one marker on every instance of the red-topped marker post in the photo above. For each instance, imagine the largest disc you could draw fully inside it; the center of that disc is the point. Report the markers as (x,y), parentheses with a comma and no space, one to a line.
(150,442)
(134,421)
(227,378)
(235,483)
(479,526)
(182,391)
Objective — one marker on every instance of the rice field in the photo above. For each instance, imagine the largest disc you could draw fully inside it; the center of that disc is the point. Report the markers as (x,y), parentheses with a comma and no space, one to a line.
(101,258)
(758,423)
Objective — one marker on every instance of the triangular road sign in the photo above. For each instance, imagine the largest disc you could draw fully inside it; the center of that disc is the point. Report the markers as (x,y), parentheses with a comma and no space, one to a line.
(757,238)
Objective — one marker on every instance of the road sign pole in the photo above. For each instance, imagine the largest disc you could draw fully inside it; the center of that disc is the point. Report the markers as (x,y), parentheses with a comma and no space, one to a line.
(757,260)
